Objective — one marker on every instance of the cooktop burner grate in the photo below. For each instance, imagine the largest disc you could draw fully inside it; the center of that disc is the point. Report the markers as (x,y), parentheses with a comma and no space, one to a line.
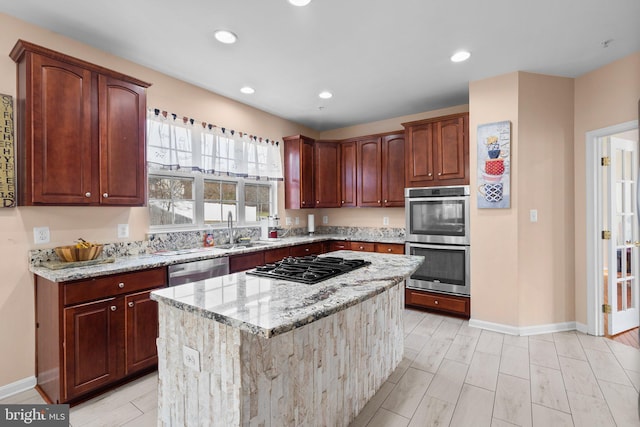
(308,269)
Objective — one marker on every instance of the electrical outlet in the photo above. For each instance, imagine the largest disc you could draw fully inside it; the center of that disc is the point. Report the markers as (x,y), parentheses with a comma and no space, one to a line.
(191,358)
(533,215)
(297,220)
(288,220)
(325,219)
(385,220)
(41,235)
(123,231)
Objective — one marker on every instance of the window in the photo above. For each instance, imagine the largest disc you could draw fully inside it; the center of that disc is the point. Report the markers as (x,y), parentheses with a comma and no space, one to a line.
(200,173)
(171,200)
(220,198)
(257,201)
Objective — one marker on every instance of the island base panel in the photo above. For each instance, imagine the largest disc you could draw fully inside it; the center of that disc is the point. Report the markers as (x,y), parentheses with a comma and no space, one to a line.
(319,374)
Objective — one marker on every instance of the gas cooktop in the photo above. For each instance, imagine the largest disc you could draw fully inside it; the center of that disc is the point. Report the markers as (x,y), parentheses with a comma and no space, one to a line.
(308,269)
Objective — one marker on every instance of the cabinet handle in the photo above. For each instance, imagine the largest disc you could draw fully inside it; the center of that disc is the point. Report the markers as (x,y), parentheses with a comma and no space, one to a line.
(378,201)
(317,201)
(113,308)
(436,302)
(306,249)
(343,201)
(303,202)
(87,194)
(130,304)
(361,247)
(121,285)
(385,200)
(439,173)
(105,195)
(430,174)
(389,250)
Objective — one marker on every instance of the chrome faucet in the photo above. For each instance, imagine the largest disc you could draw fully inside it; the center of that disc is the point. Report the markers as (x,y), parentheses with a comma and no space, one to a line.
(230,225)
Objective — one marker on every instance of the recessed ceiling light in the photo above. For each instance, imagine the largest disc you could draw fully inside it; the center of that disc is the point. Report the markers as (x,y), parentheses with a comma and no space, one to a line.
(299,2)
(463,55)
(247,89)
(226,37)
(325,94)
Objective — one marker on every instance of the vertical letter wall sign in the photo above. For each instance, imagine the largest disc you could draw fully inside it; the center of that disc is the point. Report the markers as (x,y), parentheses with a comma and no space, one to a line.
(7,158)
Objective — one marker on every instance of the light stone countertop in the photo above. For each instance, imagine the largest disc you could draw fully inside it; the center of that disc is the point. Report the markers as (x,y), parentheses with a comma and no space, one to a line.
(269,307)
(146,261)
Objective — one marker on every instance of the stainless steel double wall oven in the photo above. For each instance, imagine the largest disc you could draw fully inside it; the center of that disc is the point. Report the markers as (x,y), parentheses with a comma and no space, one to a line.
(437,227)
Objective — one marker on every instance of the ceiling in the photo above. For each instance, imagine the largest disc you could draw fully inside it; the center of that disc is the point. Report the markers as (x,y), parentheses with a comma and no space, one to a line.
(380,58)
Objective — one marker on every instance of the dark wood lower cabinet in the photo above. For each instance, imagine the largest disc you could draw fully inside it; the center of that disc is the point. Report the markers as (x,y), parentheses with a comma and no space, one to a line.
(91,344)
(88,341)
(245,261)
(452,304)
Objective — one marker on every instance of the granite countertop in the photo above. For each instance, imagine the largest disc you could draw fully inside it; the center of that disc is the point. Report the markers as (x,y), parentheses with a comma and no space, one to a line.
(269,307)
(145,261)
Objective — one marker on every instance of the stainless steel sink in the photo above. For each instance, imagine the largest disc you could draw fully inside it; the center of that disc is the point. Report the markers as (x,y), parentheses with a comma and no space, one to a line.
(241,245)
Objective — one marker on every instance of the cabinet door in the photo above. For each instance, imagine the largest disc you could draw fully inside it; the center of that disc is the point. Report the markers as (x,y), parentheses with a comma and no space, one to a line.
(60,156)
(141,331)
(327,174)
(419,155)
(92,335)
(298,172)
(393,170)
(348,174)
(451,150)
(369,173)
(122,107)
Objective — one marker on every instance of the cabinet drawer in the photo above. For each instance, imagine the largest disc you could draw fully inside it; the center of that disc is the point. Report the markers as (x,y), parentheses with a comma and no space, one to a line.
(310,249)
(117,284)
(340,246)
(245,261)
(448,303)
(363,246)
(273,255)
(390,248)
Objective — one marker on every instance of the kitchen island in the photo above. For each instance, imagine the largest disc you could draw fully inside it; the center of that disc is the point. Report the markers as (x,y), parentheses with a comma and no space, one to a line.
(279,353)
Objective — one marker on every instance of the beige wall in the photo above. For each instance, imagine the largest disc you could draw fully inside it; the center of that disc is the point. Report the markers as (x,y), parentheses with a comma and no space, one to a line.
(522,272)
(603,98)
(92,223)
(494,232)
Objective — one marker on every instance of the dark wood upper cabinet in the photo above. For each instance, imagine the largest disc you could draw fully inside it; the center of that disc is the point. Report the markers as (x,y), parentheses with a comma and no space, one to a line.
(327,174)
(348,175)
(80,131)
(437,151)
(369,172)
(393,170)
(298,172)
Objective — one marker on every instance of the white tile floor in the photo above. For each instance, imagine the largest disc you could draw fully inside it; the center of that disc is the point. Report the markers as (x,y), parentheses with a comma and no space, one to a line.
(455,375)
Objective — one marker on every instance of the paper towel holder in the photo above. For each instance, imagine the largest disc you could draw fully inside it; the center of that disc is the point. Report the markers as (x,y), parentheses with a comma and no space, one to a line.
(311,225)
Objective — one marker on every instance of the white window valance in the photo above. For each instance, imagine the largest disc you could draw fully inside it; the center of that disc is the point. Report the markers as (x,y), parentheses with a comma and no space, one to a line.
(187,145)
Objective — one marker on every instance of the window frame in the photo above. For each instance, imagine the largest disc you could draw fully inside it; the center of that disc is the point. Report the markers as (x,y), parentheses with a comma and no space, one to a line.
(198,191)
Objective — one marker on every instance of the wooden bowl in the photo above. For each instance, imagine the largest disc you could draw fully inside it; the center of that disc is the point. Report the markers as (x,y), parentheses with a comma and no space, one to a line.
(72,254)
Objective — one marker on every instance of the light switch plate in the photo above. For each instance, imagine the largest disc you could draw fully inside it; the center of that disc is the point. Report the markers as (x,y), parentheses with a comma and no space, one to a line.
(297,220)
(288,220)
(385,220)
(191,358)
(123,231)
(325,219)
(41,235)
(533,215)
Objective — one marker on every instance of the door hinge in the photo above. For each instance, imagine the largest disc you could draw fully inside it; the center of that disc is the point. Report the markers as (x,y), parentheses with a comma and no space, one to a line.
(606,308)
(605,161)
(606,235)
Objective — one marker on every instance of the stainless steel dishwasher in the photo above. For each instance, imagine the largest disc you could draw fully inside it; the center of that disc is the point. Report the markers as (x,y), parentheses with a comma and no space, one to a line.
(180,274)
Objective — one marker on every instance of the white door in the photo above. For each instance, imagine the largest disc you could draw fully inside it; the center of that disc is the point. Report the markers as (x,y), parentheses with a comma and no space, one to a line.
(623,244)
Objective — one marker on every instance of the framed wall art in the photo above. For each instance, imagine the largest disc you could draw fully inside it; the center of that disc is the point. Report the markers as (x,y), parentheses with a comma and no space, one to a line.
(494,165)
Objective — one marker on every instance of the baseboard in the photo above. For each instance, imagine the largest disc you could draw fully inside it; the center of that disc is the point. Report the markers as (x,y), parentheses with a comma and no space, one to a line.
(524,330)
(17,387)
(581,327)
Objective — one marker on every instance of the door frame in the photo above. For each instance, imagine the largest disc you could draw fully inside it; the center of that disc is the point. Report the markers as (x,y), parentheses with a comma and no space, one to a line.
(595,283)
